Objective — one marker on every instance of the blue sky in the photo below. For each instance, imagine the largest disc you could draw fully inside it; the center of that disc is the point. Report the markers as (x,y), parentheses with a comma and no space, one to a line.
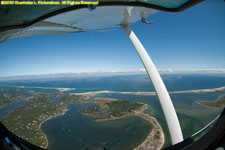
(192,39)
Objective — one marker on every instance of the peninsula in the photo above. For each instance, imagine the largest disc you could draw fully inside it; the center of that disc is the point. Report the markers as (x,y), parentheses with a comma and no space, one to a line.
(216,103)
(111,109)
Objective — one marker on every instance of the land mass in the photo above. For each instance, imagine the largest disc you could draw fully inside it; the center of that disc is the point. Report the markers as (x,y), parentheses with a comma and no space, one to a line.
(111,109)
(25,120)
(216,103)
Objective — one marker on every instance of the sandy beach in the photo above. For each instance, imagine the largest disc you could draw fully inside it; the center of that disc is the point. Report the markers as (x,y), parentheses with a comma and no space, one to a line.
(156,138)
(90,94)
(52,88)
(46,88)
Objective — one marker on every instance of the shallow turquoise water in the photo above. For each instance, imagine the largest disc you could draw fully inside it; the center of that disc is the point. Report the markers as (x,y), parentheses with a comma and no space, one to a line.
(192,116)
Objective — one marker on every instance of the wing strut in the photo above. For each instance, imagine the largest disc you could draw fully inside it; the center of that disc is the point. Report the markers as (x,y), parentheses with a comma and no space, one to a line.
(164,98)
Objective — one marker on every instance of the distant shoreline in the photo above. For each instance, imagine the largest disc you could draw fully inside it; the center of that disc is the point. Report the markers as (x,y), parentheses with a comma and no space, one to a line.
(93,93)
(46,88)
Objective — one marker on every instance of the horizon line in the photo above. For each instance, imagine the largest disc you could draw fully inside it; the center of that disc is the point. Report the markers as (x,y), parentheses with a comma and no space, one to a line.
(219,70)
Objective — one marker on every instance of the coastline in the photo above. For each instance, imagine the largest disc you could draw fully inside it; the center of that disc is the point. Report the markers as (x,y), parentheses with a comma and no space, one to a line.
(154,140)
(156,137)
(51,117)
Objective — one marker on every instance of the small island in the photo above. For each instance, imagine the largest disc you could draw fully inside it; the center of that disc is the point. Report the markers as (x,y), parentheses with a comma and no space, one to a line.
(216,103)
